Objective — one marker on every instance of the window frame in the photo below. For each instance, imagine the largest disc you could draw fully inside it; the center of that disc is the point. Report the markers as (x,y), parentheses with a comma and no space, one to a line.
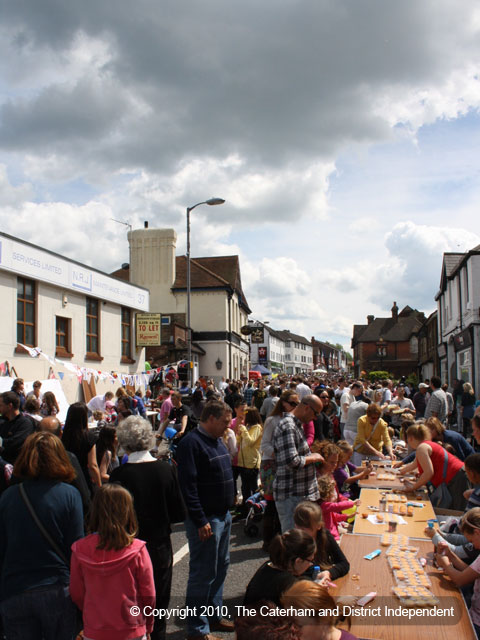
(23,322)
(92,355)
(63,351)
(126,358)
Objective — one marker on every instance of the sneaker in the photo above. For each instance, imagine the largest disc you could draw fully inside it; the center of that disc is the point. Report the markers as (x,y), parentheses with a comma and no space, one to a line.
(205,636)
(222,625)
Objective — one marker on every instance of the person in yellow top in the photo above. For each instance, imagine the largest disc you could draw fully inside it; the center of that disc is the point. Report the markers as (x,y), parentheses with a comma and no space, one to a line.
(249,437)
(372,436)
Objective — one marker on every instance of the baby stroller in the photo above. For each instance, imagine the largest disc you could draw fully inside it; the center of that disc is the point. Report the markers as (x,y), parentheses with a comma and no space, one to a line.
(256,508)
(167,446)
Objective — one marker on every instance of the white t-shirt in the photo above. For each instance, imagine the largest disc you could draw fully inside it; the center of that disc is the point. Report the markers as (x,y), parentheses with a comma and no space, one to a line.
(97,404)
(386,396)
(345,399)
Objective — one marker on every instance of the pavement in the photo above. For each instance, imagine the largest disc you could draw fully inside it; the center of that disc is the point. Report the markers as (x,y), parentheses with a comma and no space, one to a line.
(246,556)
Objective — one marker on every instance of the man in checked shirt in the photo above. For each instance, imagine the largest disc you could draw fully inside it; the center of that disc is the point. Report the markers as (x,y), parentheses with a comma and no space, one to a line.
(295,478)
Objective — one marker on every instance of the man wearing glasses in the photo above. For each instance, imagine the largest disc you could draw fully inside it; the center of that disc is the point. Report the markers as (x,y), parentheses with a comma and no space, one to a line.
(295,478)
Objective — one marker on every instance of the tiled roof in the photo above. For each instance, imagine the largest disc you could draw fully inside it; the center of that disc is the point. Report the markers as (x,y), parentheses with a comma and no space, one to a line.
(122,274)
(219,271)
(409,321)
(286,336)
(451,261)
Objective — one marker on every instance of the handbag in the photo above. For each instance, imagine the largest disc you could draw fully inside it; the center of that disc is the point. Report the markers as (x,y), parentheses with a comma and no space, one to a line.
(440,496)
(361,448)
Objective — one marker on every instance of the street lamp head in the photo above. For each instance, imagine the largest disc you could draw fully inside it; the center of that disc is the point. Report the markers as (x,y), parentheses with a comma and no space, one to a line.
(214,201)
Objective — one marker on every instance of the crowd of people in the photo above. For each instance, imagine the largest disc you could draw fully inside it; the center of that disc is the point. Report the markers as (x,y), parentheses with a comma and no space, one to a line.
(303,443)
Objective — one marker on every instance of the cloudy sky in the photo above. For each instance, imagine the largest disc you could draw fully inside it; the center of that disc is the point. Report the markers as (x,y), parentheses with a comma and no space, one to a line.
(343,135)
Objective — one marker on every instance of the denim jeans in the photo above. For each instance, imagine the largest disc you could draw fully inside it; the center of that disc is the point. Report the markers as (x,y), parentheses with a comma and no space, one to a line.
(209,562)
(285,509)
(40,614)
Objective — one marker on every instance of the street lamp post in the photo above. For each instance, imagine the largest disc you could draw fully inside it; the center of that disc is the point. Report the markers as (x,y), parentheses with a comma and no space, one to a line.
(211,202)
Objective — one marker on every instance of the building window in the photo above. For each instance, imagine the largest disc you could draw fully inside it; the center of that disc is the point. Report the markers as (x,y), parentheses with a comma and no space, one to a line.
(93,329)
(62,338)
(126,335)
(26,312)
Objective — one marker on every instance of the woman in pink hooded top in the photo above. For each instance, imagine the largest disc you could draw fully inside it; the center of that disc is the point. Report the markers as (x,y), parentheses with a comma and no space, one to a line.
(111,571)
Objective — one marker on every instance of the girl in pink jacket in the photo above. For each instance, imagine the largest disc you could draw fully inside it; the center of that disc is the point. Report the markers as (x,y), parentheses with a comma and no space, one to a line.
(111,572)
(331,509)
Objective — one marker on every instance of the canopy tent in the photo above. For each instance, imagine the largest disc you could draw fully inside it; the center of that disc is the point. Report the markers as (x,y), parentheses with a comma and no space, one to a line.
(261,369)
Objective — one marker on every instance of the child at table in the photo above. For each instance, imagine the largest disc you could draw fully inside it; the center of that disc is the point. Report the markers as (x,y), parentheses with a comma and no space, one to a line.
(460,573)
(331,508)
(450,530)
(328,556)
(347,475)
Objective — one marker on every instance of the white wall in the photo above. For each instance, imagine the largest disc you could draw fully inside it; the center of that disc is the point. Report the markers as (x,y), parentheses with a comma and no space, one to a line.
(49,305)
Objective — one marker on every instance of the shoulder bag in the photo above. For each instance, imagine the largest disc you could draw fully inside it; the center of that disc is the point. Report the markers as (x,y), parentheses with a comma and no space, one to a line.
(43,531)
(361,448)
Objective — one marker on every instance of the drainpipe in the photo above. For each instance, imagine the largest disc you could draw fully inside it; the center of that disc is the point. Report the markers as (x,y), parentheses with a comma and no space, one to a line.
(230,335)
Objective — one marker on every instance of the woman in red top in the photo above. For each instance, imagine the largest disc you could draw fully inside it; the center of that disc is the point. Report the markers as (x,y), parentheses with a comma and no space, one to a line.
(430,460)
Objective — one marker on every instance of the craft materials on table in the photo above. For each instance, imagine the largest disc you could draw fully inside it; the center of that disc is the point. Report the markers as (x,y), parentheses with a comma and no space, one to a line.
(385,518)
(413,584)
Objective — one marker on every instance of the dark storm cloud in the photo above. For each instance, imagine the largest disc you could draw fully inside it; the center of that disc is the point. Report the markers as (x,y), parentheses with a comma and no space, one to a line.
(274,83)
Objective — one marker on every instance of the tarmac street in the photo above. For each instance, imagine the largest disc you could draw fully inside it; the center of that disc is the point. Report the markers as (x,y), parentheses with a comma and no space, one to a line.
(246,555)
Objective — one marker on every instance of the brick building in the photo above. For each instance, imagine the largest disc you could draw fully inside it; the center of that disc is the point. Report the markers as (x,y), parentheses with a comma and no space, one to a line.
(389,344)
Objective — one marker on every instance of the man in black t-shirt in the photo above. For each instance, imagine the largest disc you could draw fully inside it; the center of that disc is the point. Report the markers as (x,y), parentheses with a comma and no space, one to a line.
(181,415)
(15,427)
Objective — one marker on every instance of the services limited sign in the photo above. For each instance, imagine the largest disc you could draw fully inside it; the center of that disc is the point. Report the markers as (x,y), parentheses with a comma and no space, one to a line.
(148,329)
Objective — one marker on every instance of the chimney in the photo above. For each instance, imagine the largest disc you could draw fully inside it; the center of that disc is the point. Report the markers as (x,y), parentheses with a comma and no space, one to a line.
(395,312)
(370,319)
(153,265)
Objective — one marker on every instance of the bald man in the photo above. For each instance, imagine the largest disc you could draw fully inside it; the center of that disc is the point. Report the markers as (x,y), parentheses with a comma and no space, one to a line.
(296,479)
(52,425)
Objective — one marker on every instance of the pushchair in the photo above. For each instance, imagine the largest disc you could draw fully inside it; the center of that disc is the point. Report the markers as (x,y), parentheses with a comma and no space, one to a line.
(167,446)
(256,504)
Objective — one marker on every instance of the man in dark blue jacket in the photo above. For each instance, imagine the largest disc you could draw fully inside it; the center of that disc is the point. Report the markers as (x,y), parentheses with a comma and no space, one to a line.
(206,482)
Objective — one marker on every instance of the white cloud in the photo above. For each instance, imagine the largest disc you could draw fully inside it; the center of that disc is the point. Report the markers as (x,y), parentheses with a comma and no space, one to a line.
(309,118)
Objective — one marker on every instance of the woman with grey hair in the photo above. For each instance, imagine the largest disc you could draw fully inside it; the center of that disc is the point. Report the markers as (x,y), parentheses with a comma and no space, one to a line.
(158,504)
(135,435)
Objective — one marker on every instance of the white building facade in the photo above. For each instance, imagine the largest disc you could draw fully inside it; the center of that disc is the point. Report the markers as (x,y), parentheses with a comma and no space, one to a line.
(74,314)
(298,353)
(271,352)
(458,305)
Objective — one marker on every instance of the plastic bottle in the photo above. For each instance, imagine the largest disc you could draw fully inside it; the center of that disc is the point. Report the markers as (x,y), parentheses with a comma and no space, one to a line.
(315,572)
(383,503)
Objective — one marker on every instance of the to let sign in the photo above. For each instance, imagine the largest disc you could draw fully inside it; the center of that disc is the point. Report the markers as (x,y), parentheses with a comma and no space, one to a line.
(148,328)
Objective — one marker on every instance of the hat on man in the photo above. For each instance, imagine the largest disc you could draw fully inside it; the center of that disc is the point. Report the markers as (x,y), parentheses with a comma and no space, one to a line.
(422,385)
